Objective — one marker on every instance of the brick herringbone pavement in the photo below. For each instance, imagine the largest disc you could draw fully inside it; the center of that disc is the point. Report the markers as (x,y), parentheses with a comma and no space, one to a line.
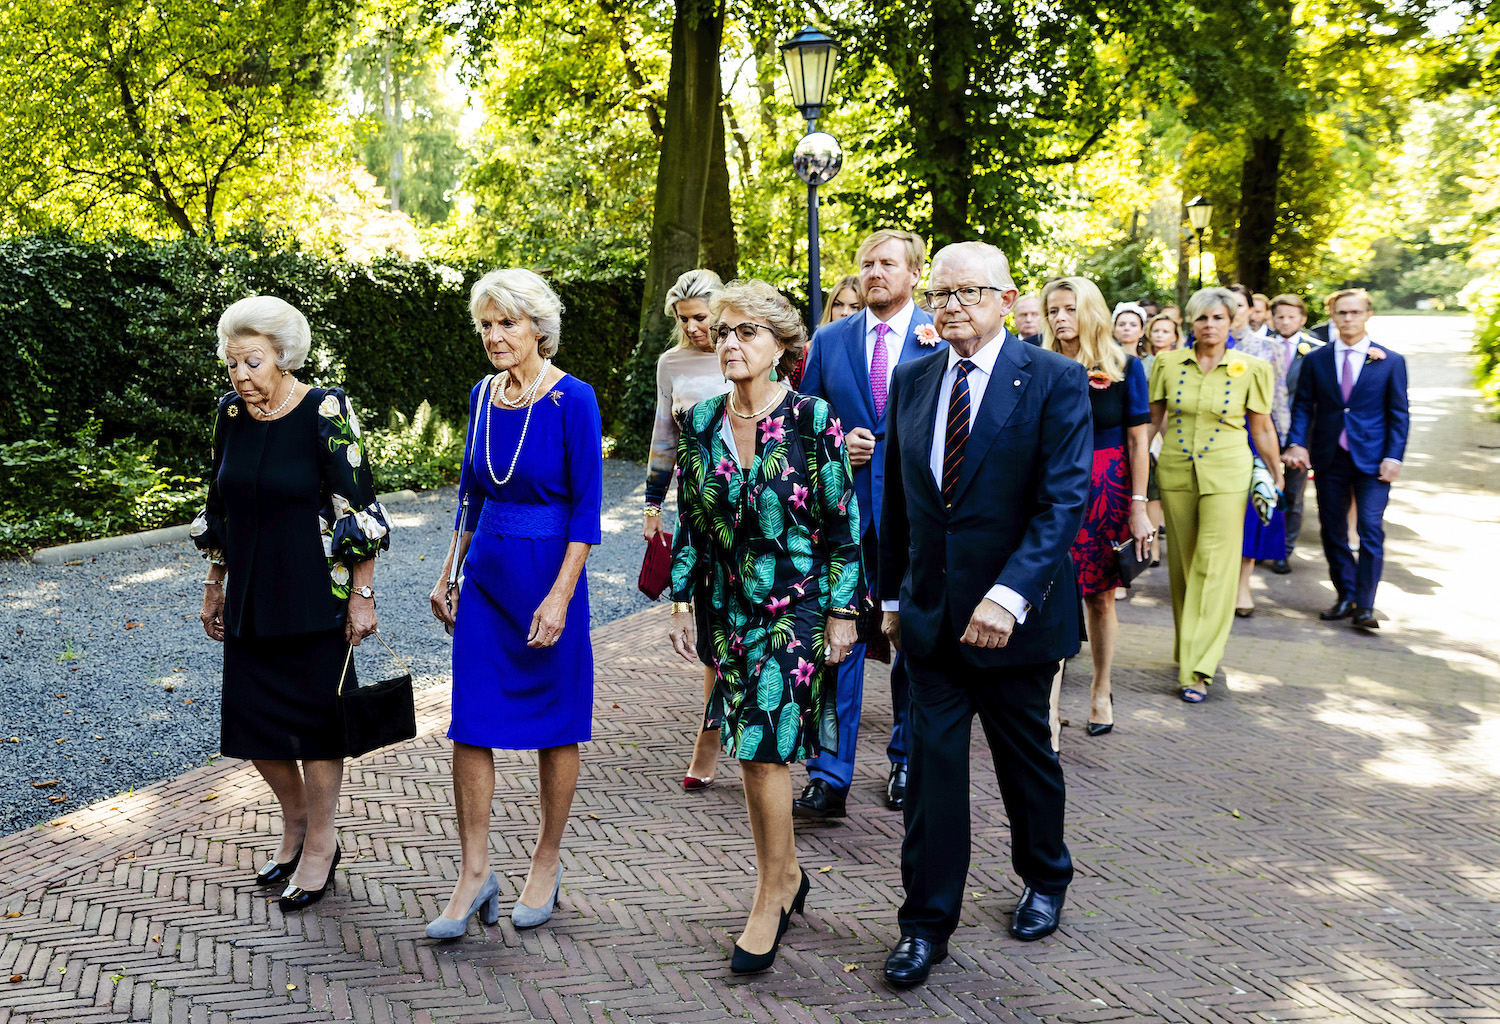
(1270,855)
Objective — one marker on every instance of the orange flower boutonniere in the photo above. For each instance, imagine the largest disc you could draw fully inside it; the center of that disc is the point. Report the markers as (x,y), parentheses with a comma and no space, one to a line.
(1098,379)
(1375,355)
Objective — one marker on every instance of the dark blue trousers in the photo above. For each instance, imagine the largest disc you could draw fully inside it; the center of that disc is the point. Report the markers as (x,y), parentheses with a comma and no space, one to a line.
(1337,485)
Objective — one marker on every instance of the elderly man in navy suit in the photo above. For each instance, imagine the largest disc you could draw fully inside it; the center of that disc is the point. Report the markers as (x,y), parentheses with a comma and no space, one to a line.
(989,452)
(1349,425)
(851,365)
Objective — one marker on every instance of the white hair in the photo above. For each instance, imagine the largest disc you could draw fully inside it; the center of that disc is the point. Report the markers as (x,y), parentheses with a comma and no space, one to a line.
(276,320)
(516,293)
(1202,302)
(996,266)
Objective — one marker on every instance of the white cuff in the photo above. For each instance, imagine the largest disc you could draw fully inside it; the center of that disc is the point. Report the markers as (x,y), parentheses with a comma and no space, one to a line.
(1396,461)
(1009,600)
(890,606)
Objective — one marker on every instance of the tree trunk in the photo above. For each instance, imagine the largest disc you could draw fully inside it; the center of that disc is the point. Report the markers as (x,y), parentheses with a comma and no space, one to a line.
(946,131)
(1185,242)
(391,104)
(1260,174)
(718,249)
(682,173)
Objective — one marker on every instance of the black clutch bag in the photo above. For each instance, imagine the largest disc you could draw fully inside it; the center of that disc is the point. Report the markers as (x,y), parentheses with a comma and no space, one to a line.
(377,715)
(1131,564)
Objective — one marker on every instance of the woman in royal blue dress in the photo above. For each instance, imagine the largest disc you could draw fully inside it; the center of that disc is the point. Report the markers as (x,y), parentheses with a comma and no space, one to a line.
(1075,323)
(523,666)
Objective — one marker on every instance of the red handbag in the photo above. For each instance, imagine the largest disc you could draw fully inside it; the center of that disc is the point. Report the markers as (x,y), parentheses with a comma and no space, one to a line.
(656,567)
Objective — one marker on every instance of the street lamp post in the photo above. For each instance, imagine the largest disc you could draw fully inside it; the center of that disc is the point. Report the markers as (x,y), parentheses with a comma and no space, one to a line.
(1199,211)
(809,58)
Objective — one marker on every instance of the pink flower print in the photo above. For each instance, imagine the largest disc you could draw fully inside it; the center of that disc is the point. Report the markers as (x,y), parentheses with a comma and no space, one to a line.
(778,604)
(772,429)
(736,645)
(799,496)
(725,468)
(803,673)
(836,431)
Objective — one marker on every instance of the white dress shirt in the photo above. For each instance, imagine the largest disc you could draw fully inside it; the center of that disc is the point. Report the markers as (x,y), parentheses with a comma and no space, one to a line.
(899,324)
(1360,350)
(979,380)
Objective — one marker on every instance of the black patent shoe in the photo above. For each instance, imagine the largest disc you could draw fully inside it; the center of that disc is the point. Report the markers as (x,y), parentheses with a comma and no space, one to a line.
(895,787)
(1364,618)
(1341,609)
(1037,915)
(820,800)
(275,871)
(295,897)
(912,960)
(1281,567)
(753,963)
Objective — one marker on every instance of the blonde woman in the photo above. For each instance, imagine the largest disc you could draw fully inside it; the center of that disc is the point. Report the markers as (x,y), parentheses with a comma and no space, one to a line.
(1076,323)
(686,374)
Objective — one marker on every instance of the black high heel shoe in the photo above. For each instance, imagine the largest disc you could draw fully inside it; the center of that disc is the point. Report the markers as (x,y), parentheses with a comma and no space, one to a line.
(296,897)
(274,871)
(753,963)
(1101,728)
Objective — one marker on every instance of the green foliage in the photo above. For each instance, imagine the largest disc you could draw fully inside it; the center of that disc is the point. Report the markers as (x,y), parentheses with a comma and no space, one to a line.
(156,114)
(59,489)
(419,453)
(1483,298)
(124,332)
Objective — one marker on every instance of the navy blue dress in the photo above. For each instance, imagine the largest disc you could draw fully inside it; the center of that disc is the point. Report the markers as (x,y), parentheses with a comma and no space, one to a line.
(506,694)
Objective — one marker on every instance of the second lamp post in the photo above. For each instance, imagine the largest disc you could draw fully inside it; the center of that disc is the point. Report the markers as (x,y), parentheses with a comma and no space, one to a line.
(809,58)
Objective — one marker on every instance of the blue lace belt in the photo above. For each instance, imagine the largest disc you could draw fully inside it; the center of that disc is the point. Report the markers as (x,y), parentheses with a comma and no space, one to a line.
(513,519)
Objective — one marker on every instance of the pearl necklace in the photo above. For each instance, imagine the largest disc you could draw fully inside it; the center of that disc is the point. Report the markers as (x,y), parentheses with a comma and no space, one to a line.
(775,401)
(283,405)
(529,397)
(519,402)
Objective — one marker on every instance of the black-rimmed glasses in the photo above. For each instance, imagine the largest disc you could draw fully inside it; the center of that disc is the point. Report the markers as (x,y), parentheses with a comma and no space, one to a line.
(745,332)
(968,296)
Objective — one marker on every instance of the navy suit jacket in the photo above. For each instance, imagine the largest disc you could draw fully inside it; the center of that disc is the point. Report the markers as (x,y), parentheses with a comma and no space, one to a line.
(837,372)
(1376,417)
(1019,503)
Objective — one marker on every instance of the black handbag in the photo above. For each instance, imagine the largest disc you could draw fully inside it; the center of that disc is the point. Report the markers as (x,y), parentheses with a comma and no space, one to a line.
(377,715)
(1131,564)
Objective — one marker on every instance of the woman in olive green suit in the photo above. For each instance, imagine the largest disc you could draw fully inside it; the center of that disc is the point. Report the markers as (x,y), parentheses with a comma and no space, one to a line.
(1203,399)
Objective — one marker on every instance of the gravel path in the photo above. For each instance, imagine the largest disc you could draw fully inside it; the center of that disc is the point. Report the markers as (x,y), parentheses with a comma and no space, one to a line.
(107,681)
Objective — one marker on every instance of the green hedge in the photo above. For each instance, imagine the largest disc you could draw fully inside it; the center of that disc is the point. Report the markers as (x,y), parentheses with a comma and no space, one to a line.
(122,331)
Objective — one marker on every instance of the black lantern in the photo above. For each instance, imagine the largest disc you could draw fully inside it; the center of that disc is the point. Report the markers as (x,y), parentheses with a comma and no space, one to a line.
(1199,211)
(809,58)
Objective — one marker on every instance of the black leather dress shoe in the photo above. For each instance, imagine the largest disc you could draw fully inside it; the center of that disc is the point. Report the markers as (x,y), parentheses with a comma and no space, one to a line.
(895,787)
(1281,567)
(1341,609)
(276,871)
(1364,618)
(295,897)
(820,800)
(1036,915)
(911,961)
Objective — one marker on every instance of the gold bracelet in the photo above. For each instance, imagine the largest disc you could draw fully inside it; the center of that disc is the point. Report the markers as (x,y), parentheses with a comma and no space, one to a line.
(682,606)
(653,510)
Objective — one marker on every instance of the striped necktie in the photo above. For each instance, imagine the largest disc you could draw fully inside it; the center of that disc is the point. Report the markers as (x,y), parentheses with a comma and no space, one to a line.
(958,432)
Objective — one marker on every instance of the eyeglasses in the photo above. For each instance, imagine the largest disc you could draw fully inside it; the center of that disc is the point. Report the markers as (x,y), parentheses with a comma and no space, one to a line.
(966,296)
(745,331)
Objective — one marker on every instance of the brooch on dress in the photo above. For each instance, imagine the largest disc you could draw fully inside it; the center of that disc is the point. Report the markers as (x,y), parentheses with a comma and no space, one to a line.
(233,410)
(556,397)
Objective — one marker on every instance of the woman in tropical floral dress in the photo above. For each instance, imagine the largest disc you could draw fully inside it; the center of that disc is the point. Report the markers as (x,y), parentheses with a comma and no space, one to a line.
(767,535)
(291,529)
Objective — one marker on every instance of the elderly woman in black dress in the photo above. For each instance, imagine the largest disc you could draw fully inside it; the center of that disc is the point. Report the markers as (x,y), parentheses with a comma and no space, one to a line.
(767,535)
(291,529)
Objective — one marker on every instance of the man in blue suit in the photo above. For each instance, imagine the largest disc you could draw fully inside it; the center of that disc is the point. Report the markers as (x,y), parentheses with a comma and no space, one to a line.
(850,365)
(1349,425)
(990,448)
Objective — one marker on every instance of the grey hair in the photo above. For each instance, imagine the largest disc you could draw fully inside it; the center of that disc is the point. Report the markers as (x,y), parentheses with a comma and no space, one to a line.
(1206,299)
(760,301)
(276,320)
(695,284)
(520,293)
(996,266)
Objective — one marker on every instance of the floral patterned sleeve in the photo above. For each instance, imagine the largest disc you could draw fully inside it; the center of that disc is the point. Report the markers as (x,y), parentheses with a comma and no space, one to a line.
(353,523)
(838,510)
(689,546)
(210,529)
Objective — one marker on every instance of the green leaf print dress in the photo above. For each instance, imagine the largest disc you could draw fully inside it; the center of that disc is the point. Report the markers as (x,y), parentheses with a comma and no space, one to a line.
(770,548)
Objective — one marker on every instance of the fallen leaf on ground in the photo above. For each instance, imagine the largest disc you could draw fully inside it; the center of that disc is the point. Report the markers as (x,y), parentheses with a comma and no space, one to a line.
(189,700)
(156,938)
(44,785)
(291,988)
(850,967)
(132,624)
(168,687)
(825,869)
(594,816)
(59,695)
(62,739)
(1236,814)
(208,796)
(17,977)
(14,913)
(56,799)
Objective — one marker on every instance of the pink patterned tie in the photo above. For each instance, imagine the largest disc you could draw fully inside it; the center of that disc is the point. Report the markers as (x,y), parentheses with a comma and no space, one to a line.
(880,364)
(1346,385)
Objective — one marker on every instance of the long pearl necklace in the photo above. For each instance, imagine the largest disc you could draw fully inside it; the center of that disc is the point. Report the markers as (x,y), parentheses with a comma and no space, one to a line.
(529,398)
(283,405)
(521,401)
